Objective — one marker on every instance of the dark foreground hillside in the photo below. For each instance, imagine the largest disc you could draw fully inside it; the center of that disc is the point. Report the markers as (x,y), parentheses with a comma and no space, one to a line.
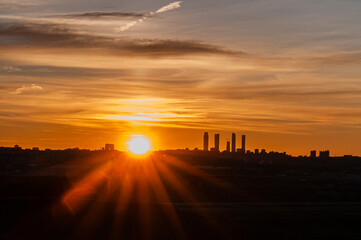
(174,195)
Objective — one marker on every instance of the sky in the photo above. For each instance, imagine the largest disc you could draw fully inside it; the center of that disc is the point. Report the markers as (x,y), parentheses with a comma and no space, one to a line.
(79,73)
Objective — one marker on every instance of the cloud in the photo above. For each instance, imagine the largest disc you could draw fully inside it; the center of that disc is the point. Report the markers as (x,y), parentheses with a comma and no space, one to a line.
(170,47)
(13,5)
(337,59)
(10,69)
(59,35)
(37,33)
(103,15)
(31,88)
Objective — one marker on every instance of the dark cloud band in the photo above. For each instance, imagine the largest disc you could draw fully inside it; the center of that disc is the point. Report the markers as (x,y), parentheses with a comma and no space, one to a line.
(57,35)
(96,15)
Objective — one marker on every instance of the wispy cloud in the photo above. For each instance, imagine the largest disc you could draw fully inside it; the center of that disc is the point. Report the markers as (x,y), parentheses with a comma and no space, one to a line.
(59,35)
(341,58)
(10,69)
(103,15)
(31,88)
(13,5)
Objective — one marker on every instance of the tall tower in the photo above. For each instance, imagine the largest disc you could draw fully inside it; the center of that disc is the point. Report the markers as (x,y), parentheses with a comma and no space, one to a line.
(205,141)
(233,142)
(216,142)
(244,143)
(313,154)
(228,146)
(109,147)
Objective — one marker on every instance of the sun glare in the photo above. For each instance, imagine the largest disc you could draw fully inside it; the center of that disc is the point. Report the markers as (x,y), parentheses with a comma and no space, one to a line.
(139,145)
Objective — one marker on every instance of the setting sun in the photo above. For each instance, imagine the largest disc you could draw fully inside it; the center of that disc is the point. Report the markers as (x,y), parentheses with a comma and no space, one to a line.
(139,145)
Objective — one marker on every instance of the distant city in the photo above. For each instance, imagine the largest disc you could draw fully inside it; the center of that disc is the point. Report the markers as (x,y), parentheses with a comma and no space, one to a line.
(231,149)
(243,151)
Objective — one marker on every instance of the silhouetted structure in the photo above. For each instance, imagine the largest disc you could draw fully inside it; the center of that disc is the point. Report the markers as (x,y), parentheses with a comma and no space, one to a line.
(205,141)
(109,147)
(216,142)
(228,146)
(324,154)
(233,142)
(256,151)
(244,143)
(313,154)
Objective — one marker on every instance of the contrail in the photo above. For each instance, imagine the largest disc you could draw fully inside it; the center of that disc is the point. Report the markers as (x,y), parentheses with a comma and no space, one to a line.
(169,7)
(166,8)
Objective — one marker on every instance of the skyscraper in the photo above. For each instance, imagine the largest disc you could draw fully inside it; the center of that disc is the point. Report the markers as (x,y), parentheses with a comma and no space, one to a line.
(233,142)
(228,146)
(313,154)
(216,142)
(205,141)
(244,143)
(324,154)
(109,147)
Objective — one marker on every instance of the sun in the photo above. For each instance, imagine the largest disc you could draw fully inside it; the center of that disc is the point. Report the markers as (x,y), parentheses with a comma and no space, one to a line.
(139,145)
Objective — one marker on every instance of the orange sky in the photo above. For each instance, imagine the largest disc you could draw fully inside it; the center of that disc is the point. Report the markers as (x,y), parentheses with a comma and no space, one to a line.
(73,81)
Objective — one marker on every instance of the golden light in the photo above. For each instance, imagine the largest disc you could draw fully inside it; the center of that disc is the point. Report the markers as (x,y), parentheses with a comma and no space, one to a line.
(139,145)
(129,181)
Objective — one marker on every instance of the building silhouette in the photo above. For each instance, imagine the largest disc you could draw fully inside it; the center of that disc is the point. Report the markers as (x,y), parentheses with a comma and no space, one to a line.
(109,147)
(205,141)
(216,142)
(17,147)
(313,154)
(233,142)
(324,154)
(228,146)
(243,143)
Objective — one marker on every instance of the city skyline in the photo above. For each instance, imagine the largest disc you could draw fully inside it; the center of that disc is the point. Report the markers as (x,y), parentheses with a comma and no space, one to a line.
(224,139)
(241,153)
(207,147)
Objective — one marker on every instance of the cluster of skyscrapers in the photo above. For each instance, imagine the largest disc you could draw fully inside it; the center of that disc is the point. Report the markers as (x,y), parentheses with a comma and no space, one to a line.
(323,154)
(228,149)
